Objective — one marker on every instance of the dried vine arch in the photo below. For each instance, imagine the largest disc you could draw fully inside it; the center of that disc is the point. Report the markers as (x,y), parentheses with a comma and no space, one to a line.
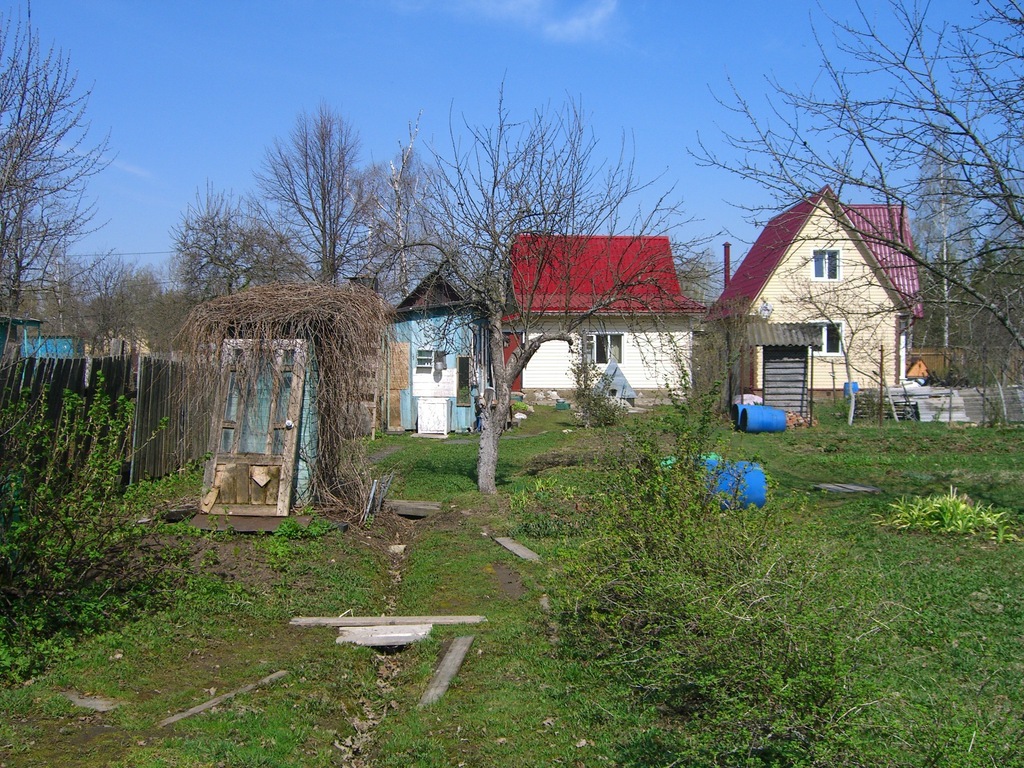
(345,329)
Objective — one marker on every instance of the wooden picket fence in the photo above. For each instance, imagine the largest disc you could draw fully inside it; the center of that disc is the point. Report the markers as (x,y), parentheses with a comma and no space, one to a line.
(172,423)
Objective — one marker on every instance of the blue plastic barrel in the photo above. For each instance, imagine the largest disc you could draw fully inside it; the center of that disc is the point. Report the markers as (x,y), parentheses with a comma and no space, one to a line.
(762,418)
(735,412)
(739,483)
(850,386)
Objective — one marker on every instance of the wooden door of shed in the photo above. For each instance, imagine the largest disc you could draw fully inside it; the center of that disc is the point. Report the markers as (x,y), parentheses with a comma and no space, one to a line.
(398,379)
(784,378)
(256,428)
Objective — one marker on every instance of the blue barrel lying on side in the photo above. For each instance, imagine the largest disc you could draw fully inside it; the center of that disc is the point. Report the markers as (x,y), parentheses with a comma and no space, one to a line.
(739,483)
(761,418)
(736,413)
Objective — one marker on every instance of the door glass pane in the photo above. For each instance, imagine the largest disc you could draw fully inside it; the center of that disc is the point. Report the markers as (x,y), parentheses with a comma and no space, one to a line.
(256,418)
(283,395)
(277,448)
(227,436)
(231,402)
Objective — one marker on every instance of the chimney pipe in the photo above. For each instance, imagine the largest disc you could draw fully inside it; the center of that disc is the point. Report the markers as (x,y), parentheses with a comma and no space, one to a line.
(727,257)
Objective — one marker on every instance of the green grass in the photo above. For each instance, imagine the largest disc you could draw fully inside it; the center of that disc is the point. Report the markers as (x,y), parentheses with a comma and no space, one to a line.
(944,638)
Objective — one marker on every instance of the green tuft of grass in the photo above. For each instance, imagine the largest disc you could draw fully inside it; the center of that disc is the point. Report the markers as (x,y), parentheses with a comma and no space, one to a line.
(951,512)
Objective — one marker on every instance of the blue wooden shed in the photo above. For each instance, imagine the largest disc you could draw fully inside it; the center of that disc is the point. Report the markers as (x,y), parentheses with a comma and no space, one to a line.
(434,367)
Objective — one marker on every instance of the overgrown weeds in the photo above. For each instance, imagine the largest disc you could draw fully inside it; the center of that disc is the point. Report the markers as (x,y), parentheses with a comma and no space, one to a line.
(743,639)
(74,557)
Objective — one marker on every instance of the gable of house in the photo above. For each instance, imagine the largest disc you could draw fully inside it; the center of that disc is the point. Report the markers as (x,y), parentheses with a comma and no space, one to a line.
(821,223)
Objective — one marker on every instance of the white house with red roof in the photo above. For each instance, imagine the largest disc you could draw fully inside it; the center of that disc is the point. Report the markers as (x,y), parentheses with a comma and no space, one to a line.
(618,296)
(842,269)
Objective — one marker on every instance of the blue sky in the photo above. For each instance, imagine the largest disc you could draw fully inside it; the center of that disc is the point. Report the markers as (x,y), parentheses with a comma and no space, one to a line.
(192,92)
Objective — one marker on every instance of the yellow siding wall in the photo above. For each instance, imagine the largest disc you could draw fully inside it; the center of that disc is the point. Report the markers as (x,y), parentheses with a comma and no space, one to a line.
(858,301)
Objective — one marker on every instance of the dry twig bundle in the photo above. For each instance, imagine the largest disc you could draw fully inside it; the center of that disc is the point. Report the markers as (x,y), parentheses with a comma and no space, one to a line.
(344,328)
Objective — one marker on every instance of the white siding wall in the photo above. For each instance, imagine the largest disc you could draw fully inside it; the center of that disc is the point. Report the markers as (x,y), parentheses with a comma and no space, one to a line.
(651,359)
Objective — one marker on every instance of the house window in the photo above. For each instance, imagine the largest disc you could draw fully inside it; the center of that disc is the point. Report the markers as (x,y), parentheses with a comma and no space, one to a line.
(826,265)
(424,361)
(832,338)
(602,348)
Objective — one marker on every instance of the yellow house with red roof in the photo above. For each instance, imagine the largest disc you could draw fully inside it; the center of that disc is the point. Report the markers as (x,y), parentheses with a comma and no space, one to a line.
(840,274)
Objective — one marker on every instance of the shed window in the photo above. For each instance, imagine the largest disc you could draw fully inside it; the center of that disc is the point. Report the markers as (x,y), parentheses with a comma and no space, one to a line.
(462,393)
(424,361)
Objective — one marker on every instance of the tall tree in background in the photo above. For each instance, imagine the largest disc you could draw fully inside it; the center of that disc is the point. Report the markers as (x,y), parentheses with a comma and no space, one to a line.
(316,188)
(397,204)
(46,159)
(223,245)
(885,104)
(541,176)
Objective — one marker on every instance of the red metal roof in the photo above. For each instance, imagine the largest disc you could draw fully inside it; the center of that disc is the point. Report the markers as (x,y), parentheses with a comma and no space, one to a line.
(888,223)
(606,274)
(881,226)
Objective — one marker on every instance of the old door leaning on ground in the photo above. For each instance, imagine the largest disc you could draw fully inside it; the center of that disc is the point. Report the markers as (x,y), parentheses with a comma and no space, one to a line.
(256,428)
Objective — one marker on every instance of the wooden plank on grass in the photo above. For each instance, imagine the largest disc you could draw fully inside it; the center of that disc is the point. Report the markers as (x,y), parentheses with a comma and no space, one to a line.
(847,488)
(222,698)
(446,670)
(376,637)
(381,621)
(516,548)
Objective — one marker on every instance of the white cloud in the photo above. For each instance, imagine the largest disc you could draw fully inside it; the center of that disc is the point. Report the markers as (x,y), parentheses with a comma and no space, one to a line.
(586,23)
(554,19)
(133,170)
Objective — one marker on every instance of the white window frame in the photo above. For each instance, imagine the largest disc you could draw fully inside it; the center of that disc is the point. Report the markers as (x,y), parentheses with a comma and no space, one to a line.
(841,327)
(425,360)
(592,348)
(825,254)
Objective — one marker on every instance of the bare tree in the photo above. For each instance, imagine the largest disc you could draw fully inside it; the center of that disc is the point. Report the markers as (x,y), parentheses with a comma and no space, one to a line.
(884,106)
(46,160)
(396,194)
(316,187)
(223,245)
(541,176)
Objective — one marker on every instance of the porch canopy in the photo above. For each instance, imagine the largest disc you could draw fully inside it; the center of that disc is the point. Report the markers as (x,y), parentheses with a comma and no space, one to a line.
(785,368)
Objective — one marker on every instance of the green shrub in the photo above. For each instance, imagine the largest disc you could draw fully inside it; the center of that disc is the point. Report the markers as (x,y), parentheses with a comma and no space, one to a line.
(73,557)
(594,405)
(740,637)
(548,509)
(951,512)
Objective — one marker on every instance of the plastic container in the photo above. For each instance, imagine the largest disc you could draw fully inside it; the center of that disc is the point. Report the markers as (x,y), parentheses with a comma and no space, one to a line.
(761,418)
(850,386)
(735,411)
(738,483)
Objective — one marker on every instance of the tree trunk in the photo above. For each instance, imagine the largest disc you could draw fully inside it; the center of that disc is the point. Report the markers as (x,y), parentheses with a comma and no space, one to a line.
(493,418)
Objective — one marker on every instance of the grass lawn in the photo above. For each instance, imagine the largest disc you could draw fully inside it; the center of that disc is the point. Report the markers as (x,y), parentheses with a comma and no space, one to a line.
(945,634)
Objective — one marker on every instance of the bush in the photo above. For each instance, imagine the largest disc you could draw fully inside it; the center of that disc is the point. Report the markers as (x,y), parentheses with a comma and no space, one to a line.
(594,405)
(72,556)
(741,638)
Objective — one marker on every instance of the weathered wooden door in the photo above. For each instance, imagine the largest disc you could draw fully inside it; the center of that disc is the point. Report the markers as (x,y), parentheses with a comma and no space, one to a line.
(784,376)
(256,428)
